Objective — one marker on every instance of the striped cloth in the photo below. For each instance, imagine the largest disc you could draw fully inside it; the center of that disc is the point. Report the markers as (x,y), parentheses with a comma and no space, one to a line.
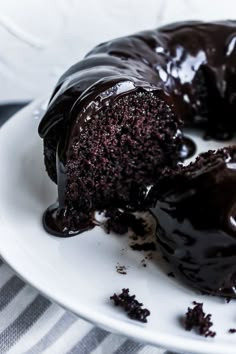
(31,324)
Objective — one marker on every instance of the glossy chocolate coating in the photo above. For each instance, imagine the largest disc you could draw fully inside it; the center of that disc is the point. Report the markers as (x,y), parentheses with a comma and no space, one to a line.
(55,220)
(191,65)
(188,149)
(172,59)
(196,213)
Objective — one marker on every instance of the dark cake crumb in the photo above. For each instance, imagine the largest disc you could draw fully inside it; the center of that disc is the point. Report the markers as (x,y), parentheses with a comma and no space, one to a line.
(232,330)
(171,275)
(120,222)
(121,269)
(165,258)
(147,246)
(143,262)
(134,237)
(149,256)
(131,306)
(196,318)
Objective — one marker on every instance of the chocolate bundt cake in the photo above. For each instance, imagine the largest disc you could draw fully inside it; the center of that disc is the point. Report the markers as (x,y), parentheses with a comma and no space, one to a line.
(113,135)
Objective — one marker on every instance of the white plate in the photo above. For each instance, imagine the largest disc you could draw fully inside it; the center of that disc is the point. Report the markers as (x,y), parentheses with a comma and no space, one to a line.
(80,272)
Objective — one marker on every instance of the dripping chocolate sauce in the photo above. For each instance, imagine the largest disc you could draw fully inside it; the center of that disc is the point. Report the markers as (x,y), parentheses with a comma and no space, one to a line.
(55,222)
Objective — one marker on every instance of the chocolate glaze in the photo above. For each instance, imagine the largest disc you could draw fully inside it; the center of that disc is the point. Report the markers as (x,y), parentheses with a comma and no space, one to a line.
(196,213)
(188,148)
(55,221)
(177,59)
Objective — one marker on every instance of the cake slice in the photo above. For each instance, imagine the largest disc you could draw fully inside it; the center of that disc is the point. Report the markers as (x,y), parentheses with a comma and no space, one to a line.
(110,157)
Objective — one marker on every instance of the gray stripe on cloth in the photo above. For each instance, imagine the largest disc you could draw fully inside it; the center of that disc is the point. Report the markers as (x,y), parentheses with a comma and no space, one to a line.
(54,333)
(129,347)
(89,342)
(1,262)
(24,321)
(9,290)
